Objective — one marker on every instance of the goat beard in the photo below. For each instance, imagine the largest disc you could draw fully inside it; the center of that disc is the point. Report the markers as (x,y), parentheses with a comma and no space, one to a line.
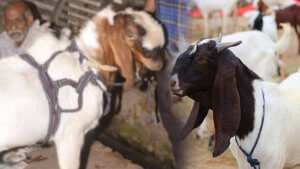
(204,97)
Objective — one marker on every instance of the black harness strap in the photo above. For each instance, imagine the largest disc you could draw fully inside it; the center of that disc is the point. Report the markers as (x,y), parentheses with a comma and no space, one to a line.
(252,161)
(51,88)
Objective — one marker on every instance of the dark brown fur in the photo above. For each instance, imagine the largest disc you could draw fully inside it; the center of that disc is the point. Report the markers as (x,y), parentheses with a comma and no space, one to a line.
(262,7)
(291,15)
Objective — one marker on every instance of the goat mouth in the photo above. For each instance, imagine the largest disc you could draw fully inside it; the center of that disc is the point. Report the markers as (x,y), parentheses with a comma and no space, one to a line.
(181,92)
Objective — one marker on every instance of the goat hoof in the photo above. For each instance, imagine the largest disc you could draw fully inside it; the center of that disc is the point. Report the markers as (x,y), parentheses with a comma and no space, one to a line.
(35,159)
(14,157)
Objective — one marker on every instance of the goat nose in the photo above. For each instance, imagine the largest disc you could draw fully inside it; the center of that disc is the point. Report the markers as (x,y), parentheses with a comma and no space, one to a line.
(173,83)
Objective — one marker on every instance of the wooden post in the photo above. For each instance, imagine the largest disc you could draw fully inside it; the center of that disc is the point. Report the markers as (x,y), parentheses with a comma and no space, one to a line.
(57,10)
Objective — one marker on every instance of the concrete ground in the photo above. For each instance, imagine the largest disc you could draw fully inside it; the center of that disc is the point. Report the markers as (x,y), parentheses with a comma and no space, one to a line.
(101,157)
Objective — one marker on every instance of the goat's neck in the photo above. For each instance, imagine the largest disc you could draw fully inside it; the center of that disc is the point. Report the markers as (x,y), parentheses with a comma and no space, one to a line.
(87,40)
(95,46)
(97,50)
(245,78)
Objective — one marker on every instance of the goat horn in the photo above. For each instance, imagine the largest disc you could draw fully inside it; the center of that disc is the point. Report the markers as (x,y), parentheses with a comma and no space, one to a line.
(219,39)
(107,68)
(224,45)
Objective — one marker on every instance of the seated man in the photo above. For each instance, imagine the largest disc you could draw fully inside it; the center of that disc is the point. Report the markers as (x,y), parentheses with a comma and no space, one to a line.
(19,29)
(19,33)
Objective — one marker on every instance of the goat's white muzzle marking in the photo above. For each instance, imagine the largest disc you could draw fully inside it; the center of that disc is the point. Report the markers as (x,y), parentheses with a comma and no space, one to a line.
(175,85)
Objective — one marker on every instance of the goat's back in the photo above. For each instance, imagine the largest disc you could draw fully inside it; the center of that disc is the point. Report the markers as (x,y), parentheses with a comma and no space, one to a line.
(256,51)
(290,89)
(290,94)
(21,94)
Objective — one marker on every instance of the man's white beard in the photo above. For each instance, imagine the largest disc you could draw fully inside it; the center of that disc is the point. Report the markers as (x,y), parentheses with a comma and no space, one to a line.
(17,35)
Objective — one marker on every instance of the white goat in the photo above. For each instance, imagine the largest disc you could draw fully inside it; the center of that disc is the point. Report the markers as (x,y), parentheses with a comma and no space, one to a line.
(258,50)
(252,116)
(208,6)
(278,145)
(24,106)
(25,111)
(259,53)
(269,26)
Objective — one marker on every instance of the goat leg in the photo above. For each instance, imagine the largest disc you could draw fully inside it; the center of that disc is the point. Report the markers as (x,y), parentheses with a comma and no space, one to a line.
(68,150)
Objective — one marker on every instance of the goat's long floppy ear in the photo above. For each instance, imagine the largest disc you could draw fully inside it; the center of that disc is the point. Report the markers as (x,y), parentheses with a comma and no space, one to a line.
(122,53)
(196,117)
(226,107)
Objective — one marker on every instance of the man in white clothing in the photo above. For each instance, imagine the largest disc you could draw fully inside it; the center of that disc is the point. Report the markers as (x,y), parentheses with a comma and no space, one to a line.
(19,29)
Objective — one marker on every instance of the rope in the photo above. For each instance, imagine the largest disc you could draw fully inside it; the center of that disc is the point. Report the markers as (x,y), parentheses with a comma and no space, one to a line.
(252,161)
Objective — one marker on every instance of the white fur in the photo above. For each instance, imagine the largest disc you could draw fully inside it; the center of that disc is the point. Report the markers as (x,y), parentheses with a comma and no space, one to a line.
(269,24)
(279,143)
(258,50)
(108,13)
(89,37)
(202,42)
(151,26)
(194,48)
(208,6)
(118,1)
(25,110)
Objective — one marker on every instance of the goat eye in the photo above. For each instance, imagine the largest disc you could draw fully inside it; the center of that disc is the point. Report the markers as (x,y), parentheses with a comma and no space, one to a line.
(201,62)
(131,35)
